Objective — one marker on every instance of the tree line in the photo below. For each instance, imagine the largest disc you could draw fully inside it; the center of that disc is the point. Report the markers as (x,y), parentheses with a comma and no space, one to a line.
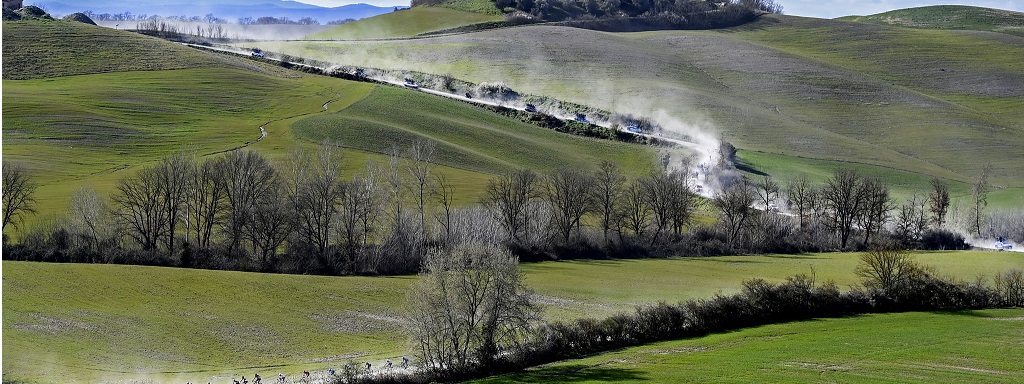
(720,12)
(241,211)
(209,18)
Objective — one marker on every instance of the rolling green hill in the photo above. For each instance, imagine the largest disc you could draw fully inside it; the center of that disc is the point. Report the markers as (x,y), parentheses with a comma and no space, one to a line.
(84,125)
(927,102)
(88,323)
(971,346)
(414,21)
(469,138)
(954,17)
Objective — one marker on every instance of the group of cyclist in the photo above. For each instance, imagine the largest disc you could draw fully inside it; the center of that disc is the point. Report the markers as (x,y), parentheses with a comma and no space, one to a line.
(388,364)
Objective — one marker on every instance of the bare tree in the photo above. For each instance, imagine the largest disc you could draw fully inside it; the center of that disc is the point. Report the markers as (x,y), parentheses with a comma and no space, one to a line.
(173,172)
(803,198)
(419,163)
(569,192)
(736,205)
(1010,286)
(467,303)
(316,192)
(445,193)
(658,195)
(842,198)
(938,202)
(393,176)
(509,198)
(205,194)
(91,214)
(876,207)
(886,268)
(608,190)
(141,209)
(247,176)
(18,188)
(768,190)
(672,201)
(271,224)
(979,195)
(357,218)
(636,212)
(911,220)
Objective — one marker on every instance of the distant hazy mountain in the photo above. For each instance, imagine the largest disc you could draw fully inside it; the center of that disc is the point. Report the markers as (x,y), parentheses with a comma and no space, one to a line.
(230,10)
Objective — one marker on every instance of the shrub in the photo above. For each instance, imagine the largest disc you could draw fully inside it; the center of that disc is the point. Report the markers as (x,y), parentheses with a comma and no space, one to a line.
(1010,287)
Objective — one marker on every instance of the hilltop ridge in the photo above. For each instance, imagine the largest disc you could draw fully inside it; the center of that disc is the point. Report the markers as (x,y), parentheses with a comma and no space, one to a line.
(949,17)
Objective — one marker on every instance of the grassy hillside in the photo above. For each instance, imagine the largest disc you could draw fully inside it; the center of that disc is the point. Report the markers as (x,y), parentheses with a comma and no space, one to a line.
(91,129)
(927,102)
(971,346)
(41,49)
(949,17)
(467,137)
(88,323)
(413,21)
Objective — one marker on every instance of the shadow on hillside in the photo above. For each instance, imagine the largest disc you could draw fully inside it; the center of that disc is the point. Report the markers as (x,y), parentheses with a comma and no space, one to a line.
(747,168)
(796,257)
(577,373)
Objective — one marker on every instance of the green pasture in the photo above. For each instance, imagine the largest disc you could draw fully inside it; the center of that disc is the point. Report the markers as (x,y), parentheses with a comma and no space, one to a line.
(950,17)
(467,137)
(940,347)
(91,130)
(411,22)
(89,323)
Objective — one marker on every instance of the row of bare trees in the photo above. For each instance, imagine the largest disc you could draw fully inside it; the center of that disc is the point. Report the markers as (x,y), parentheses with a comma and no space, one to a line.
(846,211)
(540,211)
(240,211)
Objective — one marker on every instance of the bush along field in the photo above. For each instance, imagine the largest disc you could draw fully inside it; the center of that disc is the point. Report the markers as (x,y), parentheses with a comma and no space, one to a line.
(489,331)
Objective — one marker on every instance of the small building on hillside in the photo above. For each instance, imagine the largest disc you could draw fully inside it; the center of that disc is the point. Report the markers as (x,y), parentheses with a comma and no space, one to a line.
(12,4)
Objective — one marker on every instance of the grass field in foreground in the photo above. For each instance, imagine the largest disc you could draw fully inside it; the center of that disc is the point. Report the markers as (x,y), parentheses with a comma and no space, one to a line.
(89,323)
(969,347)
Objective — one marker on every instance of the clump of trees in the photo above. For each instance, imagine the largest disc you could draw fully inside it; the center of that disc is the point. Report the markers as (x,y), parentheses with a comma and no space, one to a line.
(663,13)
(241,211)
(469,307)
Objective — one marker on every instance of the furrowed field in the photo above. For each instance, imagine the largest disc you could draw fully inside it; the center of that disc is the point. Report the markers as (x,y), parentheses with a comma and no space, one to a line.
(88,323)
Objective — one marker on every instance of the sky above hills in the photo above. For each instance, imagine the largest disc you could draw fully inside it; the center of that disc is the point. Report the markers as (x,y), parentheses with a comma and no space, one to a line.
(813,8)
